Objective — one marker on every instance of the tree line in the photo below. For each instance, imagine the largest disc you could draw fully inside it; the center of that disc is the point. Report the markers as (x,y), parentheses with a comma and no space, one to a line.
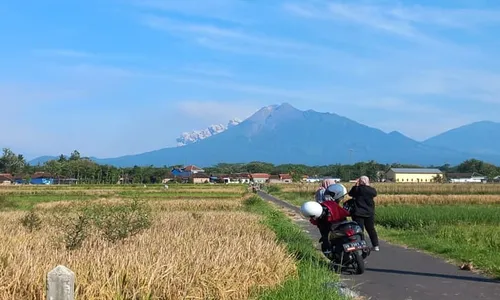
(87,171)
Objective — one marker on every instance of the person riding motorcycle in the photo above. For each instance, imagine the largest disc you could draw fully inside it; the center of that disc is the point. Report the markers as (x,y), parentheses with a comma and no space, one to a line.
(320,193)
(327,213)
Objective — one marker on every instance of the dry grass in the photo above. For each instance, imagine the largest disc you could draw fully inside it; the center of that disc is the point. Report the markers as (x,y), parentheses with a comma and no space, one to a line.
(409,188)
(184,255)
(437,199)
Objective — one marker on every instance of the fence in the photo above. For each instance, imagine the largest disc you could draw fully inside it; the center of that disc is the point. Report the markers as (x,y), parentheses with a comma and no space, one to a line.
(61,284)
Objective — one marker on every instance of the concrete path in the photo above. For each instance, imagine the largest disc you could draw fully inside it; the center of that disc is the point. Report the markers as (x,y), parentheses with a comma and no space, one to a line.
(396,273)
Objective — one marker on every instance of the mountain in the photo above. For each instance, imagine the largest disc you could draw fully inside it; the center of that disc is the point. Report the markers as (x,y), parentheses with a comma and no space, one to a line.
(198,135)
(41,160)
(479,138)
(283,134)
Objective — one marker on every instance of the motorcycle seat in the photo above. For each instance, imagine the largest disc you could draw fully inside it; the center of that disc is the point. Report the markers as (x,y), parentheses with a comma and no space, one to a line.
(347,222)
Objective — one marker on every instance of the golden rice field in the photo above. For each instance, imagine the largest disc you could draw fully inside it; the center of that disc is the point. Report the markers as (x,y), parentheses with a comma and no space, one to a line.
(394,194)
(194,249)
(409,188)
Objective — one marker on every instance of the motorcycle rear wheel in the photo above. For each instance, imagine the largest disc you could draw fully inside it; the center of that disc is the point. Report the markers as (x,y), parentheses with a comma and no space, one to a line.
(359,263)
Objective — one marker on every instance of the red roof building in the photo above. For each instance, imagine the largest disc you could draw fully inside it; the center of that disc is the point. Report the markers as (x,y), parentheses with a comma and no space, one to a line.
(6,177)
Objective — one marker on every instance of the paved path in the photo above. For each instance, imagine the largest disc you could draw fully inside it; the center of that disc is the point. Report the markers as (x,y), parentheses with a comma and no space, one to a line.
(396,273)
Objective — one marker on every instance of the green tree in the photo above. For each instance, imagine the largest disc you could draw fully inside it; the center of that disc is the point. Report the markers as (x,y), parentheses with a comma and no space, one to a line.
(75,155)
(12,163)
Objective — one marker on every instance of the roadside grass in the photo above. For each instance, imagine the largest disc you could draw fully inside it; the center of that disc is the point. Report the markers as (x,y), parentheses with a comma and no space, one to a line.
(314,274)
(413,217)
(463,233)
(295,198)
(476,244)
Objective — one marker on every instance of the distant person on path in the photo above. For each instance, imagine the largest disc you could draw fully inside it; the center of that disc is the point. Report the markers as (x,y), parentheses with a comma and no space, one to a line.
(364,208)
(320,193)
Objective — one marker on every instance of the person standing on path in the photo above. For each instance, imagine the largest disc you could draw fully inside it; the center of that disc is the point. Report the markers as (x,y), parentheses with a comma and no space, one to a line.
(364,208)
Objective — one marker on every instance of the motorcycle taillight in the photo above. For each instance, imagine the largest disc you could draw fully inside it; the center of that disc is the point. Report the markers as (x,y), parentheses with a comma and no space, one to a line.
(350,232)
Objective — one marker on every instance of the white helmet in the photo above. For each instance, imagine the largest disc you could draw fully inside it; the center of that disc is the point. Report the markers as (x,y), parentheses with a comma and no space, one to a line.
(337,191)
(311,209)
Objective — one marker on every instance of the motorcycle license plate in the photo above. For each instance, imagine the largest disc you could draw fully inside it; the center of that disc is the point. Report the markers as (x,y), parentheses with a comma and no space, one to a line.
(354,246)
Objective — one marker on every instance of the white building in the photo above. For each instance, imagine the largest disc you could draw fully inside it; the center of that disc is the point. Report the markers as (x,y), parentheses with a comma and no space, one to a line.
(466,178)
(319,179)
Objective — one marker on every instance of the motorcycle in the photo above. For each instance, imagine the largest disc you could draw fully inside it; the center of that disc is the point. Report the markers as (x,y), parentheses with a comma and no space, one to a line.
(349,248)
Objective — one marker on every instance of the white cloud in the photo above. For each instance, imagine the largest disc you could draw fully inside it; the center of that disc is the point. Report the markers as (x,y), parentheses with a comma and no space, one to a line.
(65,53)
(225,10)
(395,17)
(237,40)
(255,89)
(475,85)
(85,55)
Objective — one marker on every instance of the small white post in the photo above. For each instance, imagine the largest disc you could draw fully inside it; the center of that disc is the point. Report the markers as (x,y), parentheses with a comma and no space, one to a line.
(61,284)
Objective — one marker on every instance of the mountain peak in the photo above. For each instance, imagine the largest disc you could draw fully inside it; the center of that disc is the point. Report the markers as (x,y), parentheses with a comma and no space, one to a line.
(477,138)
(285,105)
(484,123)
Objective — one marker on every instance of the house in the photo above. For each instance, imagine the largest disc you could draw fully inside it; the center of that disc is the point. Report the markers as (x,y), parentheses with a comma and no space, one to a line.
(286,178)
(274,179)
(280,178)
(466,178)
(234,178)
(65,180)
(414,175)
(200,178)
(259,177)
(42,178)
(6,179)
(241,178)
(193,169)
(176,172)
(167,178)
(186,171)
(19,179)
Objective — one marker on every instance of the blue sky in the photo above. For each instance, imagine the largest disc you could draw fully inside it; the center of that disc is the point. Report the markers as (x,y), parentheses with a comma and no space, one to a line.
(116,77)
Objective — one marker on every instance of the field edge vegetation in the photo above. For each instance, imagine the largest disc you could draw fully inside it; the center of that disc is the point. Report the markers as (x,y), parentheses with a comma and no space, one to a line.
(315,279)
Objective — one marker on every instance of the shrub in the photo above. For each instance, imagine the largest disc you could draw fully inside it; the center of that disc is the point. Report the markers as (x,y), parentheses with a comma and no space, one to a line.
(76,233)
(122,221)
(31,221)
(113,222)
